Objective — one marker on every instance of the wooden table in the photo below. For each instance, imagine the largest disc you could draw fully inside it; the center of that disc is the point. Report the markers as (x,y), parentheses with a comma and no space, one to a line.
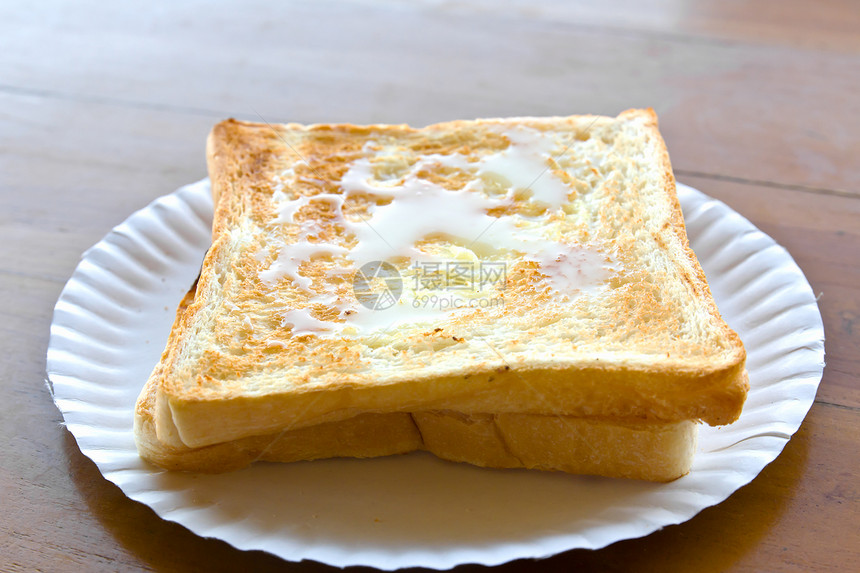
(106,107)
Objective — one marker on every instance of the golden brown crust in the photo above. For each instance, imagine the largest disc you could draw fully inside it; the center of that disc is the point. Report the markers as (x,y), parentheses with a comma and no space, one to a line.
(363,436)
(645,359)
(699,282)
(646,451)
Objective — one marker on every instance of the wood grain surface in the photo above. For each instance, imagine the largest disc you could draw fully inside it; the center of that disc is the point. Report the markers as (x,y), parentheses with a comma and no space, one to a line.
(106,106)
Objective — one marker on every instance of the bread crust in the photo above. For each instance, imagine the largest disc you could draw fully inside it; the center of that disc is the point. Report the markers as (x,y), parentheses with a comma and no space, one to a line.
(646,451)
(668,380)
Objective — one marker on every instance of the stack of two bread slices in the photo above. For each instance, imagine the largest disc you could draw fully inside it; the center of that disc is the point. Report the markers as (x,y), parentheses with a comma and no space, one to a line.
(594,345)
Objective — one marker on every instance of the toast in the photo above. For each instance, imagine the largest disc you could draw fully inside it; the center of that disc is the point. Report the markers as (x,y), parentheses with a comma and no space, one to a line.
(321,298)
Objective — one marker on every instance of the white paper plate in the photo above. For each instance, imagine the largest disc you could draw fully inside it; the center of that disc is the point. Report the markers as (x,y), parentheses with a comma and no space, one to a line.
(112,320)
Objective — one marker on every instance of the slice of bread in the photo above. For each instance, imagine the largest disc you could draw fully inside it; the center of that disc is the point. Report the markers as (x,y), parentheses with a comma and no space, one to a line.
(606,316)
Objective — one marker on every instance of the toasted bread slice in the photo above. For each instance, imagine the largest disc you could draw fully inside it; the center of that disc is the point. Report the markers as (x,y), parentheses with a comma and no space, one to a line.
(606,312)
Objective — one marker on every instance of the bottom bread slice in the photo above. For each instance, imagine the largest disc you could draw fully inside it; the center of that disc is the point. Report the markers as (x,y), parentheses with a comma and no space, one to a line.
(648,451)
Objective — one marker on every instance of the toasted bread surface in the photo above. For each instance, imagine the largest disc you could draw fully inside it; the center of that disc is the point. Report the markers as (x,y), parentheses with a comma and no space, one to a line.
(606,312)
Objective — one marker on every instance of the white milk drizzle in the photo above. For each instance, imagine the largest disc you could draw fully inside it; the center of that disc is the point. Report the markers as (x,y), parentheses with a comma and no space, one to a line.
(420,209)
